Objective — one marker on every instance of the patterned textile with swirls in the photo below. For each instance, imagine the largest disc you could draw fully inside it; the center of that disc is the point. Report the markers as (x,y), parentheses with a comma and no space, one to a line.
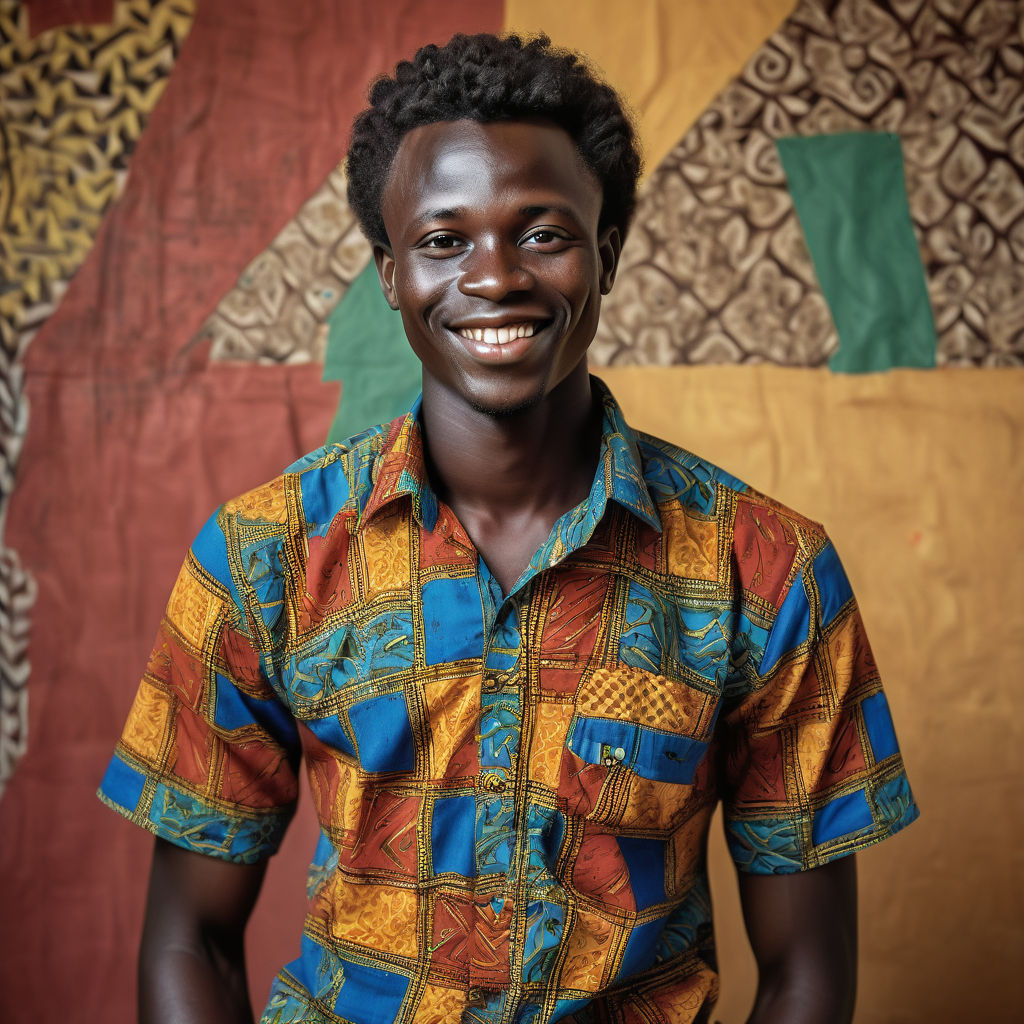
(716,268)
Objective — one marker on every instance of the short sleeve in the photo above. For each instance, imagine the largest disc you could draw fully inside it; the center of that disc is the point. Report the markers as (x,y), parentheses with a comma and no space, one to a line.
(209,753)
(812,769)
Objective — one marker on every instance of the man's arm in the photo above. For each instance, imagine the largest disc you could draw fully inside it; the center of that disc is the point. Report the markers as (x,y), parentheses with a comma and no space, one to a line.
(192,957)
(803,931)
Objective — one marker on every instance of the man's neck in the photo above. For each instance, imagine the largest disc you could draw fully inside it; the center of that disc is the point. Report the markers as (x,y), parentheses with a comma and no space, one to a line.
(508,478)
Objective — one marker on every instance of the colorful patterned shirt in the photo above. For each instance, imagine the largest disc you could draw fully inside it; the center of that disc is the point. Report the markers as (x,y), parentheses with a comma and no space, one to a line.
(514,790)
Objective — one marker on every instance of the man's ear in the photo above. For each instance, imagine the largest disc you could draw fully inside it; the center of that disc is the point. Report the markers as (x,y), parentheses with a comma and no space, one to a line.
(385,261)
(609,246)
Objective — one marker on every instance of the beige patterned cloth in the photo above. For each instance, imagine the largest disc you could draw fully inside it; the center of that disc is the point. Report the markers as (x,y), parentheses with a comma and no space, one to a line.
(716,268)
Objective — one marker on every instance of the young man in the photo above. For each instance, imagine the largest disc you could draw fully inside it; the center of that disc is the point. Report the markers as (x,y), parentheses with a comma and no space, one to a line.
(522,649)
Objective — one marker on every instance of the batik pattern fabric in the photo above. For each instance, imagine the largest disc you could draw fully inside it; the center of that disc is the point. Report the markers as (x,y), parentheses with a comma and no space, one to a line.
(514,790)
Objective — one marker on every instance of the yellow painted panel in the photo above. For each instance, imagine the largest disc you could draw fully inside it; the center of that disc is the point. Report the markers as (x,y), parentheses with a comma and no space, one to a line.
(669,59)
(918,477)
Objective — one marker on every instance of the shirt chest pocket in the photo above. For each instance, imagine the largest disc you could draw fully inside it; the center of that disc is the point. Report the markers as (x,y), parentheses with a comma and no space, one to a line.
(636,750)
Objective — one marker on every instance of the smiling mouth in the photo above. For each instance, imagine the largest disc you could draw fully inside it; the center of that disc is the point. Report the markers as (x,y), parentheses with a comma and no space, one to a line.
(498,335)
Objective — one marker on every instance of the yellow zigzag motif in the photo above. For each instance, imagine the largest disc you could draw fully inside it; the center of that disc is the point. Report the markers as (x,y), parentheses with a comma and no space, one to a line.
(73,103)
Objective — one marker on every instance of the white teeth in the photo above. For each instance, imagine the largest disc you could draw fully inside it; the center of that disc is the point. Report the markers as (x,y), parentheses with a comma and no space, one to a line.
(498,335)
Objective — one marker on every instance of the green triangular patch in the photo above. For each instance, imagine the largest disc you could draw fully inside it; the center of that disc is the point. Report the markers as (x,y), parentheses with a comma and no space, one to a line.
(368,352)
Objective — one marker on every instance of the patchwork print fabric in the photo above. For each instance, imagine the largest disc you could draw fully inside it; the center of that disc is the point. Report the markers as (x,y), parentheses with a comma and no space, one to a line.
(514,790)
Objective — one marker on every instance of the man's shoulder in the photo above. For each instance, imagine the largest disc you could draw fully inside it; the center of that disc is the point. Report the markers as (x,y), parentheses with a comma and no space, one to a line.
(686,483)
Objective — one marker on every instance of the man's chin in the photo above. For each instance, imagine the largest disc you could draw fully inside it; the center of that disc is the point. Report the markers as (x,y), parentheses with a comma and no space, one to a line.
(508,406)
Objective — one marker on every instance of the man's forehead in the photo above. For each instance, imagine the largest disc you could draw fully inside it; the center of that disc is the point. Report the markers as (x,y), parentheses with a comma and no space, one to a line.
(445,155)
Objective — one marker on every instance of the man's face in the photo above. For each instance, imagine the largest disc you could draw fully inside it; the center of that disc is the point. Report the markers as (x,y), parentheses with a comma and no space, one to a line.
(496,261)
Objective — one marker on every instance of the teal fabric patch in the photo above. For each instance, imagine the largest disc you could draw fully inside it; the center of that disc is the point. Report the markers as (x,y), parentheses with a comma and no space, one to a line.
(368,352)
(851,198)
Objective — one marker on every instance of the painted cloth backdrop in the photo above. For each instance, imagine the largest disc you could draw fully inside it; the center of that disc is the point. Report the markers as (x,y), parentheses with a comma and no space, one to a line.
(831,188)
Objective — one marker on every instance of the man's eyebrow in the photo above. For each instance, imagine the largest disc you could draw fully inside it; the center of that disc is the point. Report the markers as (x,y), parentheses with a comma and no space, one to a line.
(443,213)
(539,208)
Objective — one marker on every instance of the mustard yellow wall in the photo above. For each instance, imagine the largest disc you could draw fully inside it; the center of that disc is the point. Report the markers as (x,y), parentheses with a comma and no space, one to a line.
(669,58)
(919,478)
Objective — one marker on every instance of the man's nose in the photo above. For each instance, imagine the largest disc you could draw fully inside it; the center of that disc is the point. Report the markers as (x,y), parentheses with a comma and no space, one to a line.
(492,270)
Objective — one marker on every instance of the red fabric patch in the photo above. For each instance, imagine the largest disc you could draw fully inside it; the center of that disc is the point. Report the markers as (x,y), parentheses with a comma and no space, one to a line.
(241,660)
(447,544)
(580,784)
(765,548)
(571,628)
(846,756)
(762,778)
(193,744)
(387,838)
(255,774)
(57,13)
(648,547)
(600,871)
(324,776)
(470,942)
(184,674)
(328,581)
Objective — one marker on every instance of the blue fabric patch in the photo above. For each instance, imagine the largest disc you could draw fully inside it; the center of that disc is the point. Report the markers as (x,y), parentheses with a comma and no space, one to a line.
(181,819)
(683,928)
(122,784)
(383,733)
(643,637)
(663,757)
(235,710)
(588,738)
(833,586)
(370,995)
(792,626)
(495,834)
(453,835)
(645,859)
(640,947)
(453,621)
(842,816)
(545,923)
(211,552)
(764,847)
(667,758)
(878,722)
(325,490)
(500,729)
(895,803)
(331,732)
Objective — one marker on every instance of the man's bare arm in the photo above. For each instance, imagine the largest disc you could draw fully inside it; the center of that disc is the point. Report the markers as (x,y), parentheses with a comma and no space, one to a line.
(803,931)
(192,957)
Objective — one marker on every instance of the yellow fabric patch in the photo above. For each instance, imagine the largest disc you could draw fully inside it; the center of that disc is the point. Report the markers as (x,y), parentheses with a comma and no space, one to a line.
(691,544)
(550,728)
(588,945)
(668,59)
(192,609)
(375,916)
(264,504)
(453,713)
(440,1006)
(386,551)
(633,695)
(147,721)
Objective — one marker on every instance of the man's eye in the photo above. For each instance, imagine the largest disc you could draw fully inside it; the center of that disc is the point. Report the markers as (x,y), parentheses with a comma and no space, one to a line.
(441,242)
(544,236)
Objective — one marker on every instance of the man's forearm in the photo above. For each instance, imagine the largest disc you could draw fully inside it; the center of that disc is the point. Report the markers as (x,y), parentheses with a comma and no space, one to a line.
(187,984)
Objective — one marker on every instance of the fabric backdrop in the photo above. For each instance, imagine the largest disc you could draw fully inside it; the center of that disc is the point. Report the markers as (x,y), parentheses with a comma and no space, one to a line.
(178,303)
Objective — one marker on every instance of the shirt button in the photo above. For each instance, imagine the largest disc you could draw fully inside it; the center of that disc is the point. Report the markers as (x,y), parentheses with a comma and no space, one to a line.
(494,784)
(619,754)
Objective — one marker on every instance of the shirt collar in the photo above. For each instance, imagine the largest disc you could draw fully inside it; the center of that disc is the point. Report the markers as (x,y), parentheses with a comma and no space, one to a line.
(400,469)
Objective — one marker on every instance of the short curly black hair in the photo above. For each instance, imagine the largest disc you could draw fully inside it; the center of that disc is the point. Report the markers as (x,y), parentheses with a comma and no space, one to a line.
(490,78)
